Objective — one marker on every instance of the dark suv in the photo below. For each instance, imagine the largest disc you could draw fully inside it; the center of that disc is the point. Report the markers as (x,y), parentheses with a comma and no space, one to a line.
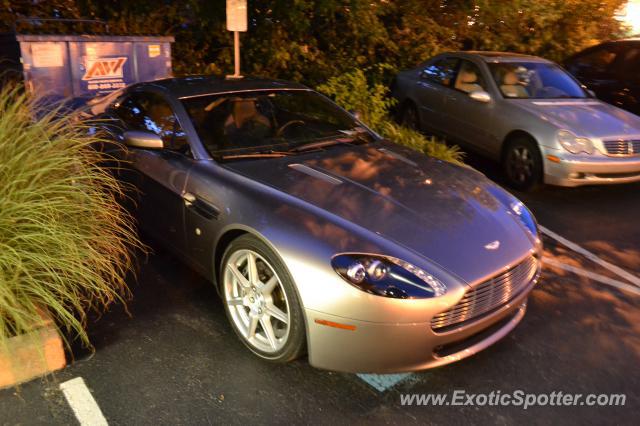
(612,71)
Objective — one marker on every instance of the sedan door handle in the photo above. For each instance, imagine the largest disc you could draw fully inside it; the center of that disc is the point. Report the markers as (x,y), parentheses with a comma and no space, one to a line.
(188,198)
(199,206)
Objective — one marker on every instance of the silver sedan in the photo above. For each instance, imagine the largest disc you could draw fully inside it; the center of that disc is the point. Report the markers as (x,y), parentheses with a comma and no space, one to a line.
(318,234)
(527,113)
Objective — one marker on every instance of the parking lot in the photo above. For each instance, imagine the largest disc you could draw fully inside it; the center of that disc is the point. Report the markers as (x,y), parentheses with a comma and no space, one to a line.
(174,359)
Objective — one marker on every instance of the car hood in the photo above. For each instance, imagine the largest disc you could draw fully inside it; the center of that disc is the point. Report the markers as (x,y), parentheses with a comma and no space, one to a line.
(584,117)
(443,212)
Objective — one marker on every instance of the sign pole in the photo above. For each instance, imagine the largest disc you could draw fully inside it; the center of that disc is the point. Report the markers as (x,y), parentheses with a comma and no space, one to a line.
(236,54)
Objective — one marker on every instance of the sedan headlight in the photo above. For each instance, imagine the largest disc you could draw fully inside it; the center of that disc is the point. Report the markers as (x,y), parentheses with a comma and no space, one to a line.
(574,144)
(387,276)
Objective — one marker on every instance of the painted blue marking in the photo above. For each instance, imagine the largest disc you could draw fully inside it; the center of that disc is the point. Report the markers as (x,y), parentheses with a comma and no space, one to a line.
(382,382)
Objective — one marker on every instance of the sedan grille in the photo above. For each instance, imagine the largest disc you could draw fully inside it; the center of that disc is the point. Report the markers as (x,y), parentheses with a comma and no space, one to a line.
(489,295)
(622,147)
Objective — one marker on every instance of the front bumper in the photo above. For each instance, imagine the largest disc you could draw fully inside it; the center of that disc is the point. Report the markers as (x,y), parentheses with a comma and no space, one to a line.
(369,347)
(578,170)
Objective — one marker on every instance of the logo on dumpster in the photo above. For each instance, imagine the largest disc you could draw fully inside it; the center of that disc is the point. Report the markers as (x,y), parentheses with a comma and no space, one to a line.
(104,68)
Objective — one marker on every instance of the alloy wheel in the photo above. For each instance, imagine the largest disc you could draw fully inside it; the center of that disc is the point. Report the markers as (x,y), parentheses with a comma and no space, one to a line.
(520,164)
(256,300)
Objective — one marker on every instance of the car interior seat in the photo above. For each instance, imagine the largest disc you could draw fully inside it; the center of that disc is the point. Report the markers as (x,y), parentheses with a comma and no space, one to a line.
(511,87)
(246,121)
(467,81)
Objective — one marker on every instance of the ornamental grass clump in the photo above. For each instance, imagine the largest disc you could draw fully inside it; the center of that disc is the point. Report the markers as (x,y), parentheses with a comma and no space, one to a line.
(65,241)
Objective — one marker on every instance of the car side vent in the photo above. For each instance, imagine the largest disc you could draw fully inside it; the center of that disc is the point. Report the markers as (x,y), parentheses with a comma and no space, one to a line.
(315,173)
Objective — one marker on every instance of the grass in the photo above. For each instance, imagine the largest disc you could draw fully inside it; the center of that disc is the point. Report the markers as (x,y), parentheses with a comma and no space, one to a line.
(64,239)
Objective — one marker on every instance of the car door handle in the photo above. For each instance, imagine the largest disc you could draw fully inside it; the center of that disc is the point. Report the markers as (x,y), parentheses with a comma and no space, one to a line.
(200,206)
(188,199)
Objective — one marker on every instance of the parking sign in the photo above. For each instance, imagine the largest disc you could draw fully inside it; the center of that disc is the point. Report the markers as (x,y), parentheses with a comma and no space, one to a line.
(237,15)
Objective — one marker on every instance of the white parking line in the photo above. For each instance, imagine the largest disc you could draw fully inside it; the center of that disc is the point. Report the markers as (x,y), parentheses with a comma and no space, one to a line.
(586,253)
(82,403)
(592,276)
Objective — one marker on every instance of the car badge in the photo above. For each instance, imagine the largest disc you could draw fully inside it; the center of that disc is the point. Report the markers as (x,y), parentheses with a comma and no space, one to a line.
(630,145)
(493,245)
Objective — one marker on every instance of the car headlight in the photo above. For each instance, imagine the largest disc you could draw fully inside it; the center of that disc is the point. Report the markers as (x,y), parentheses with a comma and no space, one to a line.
(387,276)
(574,144)
(525,216)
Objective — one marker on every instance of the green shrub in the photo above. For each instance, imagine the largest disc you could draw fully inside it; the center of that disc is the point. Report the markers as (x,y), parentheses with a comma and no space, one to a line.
(416,140)
(353,92)
(64,239)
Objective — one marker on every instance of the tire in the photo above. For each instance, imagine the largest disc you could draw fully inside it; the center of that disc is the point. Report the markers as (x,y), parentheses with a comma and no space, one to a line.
(267,301)
(409,116)
(522,164)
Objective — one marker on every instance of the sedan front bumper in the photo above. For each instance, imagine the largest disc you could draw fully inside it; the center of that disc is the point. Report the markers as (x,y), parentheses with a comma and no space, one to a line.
(574,170)
(367,347)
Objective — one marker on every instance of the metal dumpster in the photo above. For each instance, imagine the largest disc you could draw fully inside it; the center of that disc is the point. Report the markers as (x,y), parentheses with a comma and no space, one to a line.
(81,67)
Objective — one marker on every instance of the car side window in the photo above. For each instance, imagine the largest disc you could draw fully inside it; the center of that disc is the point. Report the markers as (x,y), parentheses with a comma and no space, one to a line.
(441,72)
(629,64)
(469,78)
(598,60)
(152,113)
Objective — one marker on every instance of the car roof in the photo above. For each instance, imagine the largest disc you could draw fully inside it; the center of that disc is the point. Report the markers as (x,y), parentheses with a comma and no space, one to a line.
(200,85)
(625,42)
(635,38)
(491,56)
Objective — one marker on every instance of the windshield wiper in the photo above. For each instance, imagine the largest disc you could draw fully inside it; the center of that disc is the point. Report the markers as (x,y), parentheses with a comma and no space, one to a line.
(322,144)
(352,135)
(266,154)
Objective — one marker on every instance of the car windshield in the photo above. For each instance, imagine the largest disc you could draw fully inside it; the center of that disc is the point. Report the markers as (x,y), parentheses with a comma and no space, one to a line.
(534,80)
(268,122)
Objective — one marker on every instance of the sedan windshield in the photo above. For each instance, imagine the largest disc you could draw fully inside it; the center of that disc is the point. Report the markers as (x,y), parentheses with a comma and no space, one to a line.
(534,80)
(270,122)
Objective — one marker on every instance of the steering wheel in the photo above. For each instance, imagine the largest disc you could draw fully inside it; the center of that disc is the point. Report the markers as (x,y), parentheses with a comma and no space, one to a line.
(284,127)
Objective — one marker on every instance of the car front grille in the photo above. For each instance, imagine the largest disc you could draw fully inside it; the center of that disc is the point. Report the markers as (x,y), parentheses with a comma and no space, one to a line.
(622,147)
(488,296)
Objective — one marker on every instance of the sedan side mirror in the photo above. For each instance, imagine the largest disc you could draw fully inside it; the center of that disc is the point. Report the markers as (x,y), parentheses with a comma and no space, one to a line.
(480,96)
(145,140)
(591,93)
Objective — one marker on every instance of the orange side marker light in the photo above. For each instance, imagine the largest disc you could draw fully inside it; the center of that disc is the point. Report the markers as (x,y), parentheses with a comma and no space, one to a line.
(335,324)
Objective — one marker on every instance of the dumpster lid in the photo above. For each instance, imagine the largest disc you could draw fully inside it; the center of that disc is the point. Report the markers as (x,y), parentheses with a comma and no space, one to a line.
(92,38)
(84,36)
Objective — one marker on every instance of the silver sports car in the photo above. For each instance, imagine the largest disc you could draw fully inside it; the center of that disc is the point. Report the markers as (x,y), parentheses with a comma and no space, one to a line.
(527,113)
(319,235)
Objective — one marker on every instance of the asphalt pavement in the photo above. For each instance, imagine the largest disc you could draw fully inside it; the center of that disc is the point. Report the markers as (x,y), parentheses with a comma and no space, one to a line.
(173,359)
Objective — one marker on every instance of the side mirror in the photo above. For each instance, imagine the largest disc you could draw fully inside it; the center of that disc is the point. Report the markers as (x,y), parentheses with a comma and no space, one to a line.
(591,93)
(145,140)
(480,96)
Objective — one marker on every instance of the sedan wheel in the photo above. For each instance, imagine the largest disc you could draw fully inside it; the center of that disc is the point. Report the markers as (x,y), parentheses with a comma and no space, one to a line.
(522,165)
(260,300)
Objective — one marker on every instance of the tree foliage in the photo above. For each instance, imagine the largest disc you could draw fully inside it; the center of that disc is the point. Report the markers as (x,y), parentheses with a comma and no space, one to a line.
(550,28)
(312,40)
